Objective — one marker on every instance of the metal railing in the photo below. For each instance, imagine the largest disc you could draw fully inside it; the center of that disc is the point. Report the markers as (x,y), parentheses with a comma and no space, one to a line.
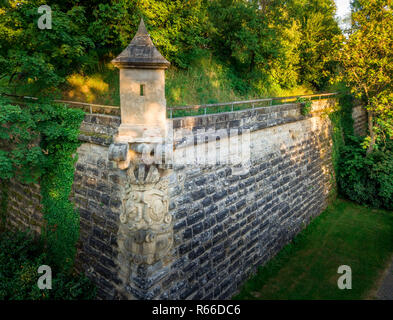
(251,103)
(246,104)
(91,108)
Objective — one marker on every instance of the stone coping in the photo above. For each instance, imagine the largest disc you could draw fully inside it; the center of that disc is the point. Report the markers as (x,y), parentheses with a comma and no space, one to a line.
(100,129)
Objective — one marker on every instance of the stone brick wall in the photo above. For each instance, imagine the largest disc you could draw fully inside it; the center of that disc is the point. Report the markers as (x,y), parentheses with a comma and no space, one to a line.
(97,192)
(225,224)
(359,116)
(252,119)
(24,209)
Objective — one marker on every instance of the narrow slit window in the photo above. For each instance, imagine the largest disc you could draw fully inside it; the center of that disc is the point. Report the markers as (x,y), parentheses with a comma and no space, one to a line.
(142,90)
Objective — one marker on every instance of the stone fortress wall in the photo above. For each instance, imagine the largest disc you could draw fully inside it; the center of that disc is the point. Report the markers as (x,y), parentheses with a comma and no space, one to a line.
(174,225)
(359,116)
(225,223)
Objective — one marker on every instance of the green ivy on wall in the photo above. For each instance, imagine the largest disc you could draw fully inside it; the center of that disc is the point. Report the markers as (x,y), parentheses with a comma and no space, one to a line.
(364,178)
(342,126)
(38,143)
(3,204)
(305,105)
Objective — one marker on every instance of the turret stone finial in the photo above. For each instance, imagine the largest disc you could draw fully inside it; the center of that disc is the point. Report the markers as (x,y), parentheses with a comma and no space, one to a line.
(142,28)
(141,53)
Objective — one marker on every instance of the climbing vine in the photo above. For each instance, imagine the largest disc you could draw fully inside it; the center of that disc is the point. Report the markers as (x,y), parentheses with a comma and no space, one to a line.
(305,105)
(38,142)
(3,204)
(361,177)
(342,126)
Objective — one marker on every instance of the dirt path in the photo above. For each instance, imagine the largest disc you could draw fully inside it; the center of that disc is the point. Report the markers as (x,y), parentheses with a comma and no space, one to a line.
(385,289)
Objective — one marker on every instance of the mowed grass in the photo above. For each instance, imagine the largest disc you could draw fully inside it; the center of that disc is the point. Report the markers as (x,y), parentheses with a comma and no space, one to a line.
(344,234)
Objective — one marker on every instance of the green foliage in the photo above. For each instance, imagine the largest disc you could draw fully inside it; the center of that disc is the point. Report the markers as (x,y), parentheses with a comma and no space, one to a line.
(318,28)
(3,203)
(60,140)
(366,178)
(178,28)
(346,102)
(19,154)
(305,105)
(42,58)
(38,143)
(268,46)
(367,61)
(20,257)
(275,44)
(361,177)
(241,32)
(207,80)
(342,126)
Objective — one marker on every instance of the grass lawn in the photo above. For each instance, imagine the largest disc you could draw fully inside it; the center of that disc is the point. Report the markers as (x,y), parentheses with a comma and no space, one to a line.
(344,234)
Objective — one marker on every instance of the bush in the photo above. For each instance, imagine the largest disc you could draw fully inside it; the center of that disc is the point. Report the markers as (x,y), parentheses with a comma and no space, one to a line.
(20,257)
(306,106)
(366,178)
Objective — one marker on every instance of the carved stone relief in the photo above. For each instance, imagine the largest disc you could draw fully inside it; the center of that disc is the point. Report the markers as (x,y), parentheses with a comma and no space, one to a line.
(146,230)
(145,214)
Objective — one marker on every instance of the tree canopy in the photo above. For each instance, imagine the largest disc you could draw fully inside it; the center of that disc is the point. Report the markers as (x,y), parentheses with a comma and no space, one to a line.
(266,43)
(367,64)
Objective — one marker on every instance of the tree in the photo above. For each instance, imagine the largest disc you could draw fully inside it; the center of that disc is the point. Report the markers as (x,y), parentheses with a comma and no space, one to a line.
(29,55)
(267,45)
(367,61)
(177,28)
(318,27)
(252,37)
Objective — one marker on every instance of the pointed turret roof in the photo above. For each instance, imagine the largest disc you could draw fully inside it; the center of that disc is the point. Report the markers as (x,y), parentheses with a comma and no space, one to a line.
(141,53)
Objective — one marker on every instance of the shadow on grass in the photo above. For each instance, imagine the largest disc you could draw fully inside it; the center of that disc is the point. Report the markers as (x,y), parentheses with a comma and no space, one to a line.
(344,234)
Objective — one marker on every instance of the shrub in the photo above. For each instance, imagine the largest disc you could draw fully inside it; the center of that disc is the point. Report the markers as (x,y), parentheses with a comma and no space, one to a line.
(306,106)
(366,178)
(20,257)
